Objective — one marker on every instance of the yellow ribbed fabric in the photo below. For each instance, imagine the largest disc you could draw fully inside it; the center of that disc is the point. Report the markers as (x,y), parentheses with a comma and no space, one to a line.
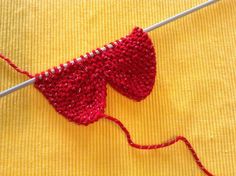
(194,93)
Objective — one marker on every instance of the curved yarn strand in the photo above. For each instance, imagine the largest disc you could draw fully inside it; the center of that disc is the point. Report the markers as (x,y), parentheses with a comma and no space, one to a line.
(159,146)
(7,60)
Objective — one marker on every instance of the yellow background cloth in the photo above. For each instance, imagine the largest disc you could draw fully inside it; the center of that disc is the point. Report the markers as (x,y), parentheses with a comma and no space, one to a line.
(194,93)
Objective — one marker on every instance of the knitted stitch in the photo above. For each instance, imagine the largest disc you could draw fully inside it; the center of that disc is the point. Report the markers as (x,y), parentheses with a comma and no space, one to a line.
(77,89)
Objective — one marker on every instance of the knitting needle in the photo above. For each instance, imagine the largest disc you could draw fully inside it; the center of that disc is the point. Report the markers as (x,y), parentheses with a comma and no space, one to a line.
(148,29)
(182,14)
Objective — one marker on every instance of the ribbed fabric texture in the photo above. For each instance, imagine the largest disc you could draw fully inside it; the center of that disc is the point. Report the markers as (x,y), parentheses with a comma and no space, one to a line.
(194,94)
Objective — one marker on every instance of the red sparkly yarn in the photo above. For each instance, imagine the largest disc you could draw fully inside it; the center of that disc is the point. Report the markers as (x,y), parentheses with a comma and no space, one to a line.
(161,145)
(7,60)
(78,91)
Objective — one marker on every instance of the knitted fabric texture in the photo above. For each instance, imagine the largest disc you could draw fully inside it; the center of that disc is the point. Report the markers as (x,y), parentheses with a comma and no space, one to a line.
(77,89)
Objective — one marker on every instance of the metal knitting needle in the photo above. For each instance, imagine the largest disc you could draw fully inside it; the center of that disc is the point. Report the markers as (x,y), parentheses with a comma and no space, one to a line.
(182,14)
(148,29)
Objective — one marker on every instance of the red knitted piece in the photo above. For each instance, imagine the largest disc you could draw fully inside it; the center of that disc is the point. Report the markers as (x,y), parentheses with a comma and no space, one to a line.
(77,90)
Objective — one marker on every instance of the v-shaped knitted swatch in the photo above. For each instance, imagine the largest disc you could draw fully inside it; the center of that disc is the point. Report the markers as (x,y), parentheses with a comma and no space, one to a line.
(77,89)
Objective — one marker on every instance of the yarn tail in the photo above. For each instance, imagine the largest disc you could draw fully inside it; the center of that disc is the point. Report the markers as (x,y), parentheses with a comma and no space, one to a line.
(158,146)
(7,60)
